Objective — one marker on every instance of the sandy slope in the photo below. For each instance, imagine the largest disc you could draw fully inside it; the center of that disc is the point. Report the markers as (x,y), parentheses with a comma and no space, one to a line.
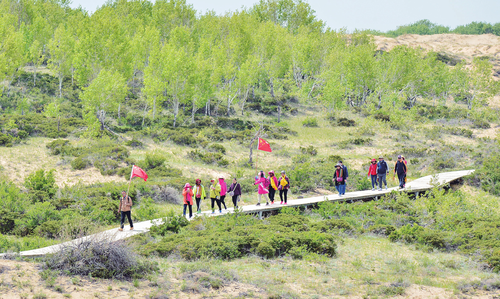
(464,46)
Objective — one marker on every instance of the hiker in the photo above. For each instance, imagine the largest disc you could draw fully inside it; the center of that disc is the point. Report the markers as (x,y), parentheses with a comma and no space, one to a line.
(273,185)
(214,194)
(263,186)
(339,177)
(199,194)
(372,173)
(406,163)
(382,171)
(235,192)
(124,210)
(400,169)
(188,193)
(346,173)
(223,191)
(284,185)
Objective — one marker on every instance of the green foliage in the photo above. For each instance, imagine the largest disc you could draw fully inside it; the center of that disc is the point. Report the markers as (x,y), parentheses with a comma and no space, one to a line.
(489,174)
(345,122)
(208,238)
(310,150)
(208,158)
(5,140)
(59,147)
(310,122)
(154,160)
(168,225)
(42,181)
(218,148)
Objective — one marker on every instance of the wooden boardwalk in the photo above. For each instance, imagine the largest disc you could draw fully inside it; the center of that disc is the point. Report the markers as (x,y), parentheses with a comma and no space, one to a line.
(420,185)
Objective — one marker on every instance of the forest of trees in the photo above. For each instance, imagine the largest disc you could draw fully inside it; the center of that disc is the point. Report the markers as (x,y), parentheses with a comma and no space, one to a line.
(173,60)
(426,27)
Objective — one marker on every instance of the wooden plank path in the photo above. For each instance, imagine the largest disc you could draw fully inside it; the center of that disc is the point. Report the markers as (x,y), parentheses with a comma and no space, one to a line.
(416,186)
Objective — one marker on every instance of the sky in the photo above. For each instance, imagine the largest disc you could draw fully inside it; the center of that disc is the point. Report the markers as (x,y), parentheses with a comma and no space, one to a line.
(382,15)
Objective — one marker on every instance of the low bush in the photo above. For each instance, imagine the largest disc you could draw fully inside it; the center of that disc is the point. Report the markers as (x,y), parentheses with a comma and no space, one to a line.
(382,229)
(210,237)
(345,122)
(100,258)
(208,158)
(134,143)
(79,163)
(218,148)
(480,124)
(170,224)
(310,150)
(59,147)
(310,122)
(5,140)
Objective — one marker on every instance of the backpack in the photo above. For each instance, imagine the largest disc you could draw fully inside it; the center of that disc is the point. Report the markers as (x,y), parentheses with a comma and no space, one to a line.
(266,183)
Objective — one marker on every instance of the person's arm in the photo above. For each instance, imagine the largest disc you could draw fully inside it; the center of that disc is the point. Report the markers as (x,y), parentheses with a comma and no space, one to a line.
(129,201)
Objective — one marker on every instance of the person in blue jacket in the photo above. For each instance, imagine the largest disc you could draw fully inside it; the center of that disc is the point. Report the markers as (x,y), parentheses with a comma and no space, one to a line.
(382,171)
(346,176)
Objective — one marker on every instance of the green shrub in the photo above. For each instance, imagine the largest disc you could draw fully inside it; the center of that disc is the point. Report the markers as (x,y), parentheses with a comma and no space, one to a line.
(170,224)
(345,122)
(382,229)
(382,117)
(218,148)
(489,174)
(265,250)
(443,162)
(183,138)
(480,124)
(41,180)
(310,122)
(134,143)
(5,140)
(154,160)
(310,150)
(208,158)
(79,163)
(59,146)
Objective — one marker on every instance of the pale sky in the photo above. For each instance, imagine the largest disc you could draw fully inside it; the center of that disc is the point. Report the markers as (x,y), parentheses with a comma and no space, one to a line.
(380,15)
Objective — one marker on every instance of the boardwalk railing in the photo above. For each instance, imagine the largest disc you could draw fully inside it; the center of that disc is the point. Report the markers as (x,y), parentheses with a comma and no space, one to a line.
(420,185)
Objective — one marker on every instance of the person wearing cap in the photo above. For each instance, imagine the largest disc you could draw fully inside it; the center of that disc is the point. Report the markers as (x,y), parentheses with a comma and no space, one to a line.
(400,169)
(263,186)
(124,210)
(382,171)
(188,199)
(199,194)
(223,191)
(235,192)
(339,177)
(346,173)
(214,194)
(372,173)
(273,186)
(284,185)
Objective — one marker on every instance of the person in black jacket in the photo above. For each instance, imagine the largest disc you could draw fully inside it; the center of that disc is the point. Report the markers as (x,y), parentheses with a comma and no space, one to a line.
(400,169)
(382,171)
(235,192)
(339,177)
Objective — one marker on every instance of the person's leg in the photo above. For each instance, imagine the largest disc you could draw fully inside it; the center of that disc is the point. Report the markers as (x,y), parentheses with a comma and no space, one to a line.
(235,201)
(184,210)
(259,196)
(198,204)
(129,216)
(213,203)
(337,188)
(401,180)
(379,181)
(343,189)
(286,195)
(190,210)
(271,194)
(281,195)
(218,204)
(122,219)
(222,200)
(374,181)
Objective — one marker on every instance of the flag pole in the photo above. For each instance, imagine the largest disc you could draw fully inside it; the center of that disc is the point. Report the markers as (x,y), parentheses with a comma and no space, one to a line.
(257,155)
(130,181)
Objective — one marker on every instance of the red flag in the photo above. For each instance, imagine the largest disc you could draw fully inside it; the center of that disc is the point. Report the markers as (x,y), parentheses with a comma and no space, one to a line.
(264,145)
(138,172)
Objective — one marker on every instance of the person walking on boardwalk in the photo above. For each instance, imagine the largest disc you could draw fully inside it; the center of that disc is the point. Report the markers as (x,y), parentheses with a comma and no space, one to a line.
(188,193)
(199,194)
(400,169)
(273,186)
(346,173)
(406,163)
(372,173)
(284,185)
(235,192)
(382,171)
(339,177)
(263,186)
(223,192)
(214,194)
(124,209)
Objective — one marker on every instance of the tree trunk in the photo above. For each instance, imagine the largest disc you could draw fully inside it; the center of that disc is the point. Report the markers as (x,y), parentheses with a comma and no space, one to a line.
(244,100)
(34,75)
(279,114)
(60,88)
(272,87)
(154,108)
(119,106)
(58,123)
(251,143)
(176,110)
(144,114)
(193,111)
(102,115)
(228,106)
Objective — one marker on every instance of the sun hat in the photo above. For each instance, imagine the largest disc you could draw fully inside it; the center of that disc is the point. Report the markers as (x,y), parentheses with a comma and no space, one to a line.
(271,171)
(381,157)
(374,160)
(187,185)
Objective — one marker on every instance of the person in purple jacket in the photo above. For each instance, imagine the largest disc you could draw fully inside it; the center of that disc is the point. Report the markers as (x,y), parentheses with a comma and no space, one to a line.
(235,192)
(263,185)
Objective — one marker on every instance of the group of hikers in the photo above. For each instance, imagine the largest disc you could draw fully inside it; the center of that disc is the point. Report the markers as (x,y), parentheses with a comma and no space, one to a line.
(269,186)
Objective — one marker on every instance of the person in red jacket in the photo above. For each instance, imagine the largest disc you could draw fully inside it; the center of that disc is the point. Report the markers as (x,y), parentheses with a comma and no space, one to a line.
(188,193)
(372,173)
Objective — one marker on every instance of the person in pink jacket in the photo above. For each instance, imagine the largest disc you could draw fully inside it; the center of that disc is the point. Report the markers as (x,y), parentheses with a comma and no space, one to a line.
(188,193)
(223,191)
(372,173)
(263,186)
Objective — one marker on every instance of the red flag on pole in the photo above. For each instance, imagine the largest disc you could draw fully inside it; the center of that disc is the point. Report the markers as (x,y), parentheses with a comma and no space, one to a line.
(138,172)
(264,145)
